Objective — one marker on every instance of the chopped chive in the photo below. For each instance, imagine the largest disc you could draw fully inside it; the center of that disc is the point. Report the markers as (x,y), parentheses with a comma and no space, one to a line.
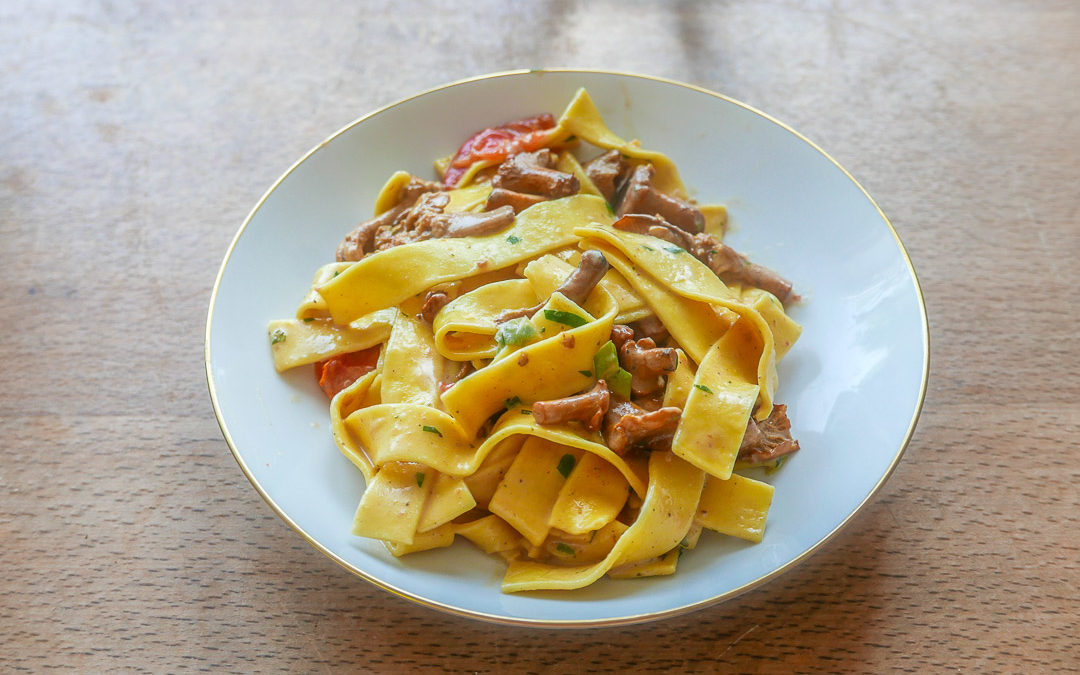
(566,465)
(703,388)
(565,318)
(620,383)
(586,373)
(606,360)
(511,402)
(277,336)
(420,479)
(564,549)
(513,239)
(432,430)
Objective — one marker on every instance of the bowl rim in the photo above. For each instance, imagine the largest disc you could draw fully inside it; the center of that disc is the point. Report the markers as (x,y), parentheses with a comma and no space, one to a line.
(568,623)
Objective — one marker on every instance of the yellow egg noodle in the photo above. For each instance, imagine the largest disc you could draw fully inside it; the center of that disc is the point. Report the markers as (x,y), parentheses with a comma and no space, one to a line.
(460,341)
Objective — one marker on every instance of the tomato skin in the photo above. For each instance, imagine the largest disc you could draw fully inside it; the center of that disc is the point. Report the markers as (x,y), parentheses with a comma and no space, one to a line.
(498,143)
(339,372)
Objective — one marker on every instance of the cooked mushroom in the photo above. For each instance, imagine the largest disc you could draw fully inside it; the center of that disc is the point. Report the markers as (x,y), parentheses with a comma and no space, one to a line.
(434,301)
(607,173)
(467,224)
(733,267)
(641,197)
(769,438)
(654,226)
(532,172)
(588,408)
(651,327)
(519,201)
(590,270)
(620,334)
(626,424)
(358,243)
(647,364)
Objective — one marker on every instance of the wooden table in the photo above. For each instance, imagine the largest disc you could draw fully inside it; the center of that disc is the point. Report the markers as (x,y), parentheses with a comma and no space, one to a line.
(135,137)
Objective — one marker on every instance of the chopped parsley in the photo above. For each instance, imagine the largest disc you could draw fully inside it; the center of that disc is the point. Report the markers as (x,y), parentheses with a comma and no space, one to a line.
(526,411)
(610,208)
(420,479)
(703,388)
(586,373)
(515,332)
(513,239)
(648,248)
(277,336)
(511,402)
(309,319)
(564,549)
(565,318)
(432,430)
(674,249)
(566,465)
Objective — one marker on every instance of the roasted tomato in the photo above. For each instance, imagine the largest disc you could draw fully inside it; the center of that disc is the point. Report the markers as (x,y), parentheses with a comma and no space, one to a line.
(498,143)
(338,372)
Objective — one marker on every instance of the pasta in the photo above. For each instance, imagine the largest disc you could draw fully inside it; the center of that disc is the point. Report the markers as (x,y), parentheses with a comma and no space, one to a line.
(551,354)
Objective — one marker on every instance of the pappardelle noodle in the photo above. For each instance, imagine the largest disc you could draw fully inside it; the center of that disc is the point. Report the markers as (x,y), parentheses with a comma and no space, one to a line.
(551,353)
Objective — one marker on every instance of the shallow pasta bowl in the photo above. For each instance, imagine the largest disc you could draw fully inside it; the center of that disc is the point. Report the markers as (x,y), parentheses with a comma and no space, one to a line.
(854,383)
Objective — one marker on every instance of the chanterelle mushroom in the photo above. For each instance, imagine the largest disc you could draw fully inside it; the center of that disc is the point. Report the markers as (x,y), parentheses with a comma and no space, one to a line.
(641,197)
(531,172)
(733,267)
(578,285)
(588,408)
(358,243)
(769,438)
(626,424)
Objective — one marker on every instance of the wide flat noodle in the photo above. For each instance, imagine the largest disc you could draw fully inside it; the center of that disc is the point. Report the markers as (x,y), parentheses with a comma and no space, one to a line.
(593,495)
(720,402)
(410,364)
(296,342)
(548,272)
(390,433)
(388,277)
(684,274)
(528,492)
(582,119)
(695,325)
(465,329)
(666,515)
(738,506)
(550,368)
(392,503)
(313,306)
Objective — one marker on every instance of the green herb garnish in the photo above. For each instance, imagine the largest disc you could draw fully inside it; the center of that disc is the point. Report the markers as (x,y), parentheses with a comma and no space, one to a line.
(674,249)
(515,332)
(277,336)
(586,373)
(565,318)
(620,383)
(606,360)
(432,430)
(564,549)
(511,402)
(566,465)
(309,319)
(526,411)
(513,239)
(703,388)
(648,248)
(420,479)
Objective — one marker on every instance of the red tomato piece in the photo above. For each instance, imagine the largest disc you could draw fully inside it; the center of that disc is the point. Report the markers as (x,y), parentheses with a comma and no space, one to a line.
(338,372)
(498,143)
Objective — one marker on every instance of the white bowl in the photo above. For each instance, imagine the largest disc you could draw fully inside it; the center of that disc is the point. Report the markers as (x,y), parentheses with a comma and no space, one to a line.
(854,383)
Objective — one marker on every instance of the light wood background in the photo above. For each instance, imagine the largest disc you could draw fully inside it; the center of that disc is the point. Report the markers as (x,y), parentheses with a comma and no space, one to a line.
(135,137)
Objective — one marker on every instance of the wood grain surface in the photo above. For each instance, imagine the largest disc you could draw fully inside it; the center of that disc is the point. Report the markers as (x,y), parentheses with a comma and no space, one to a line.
(135,137)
